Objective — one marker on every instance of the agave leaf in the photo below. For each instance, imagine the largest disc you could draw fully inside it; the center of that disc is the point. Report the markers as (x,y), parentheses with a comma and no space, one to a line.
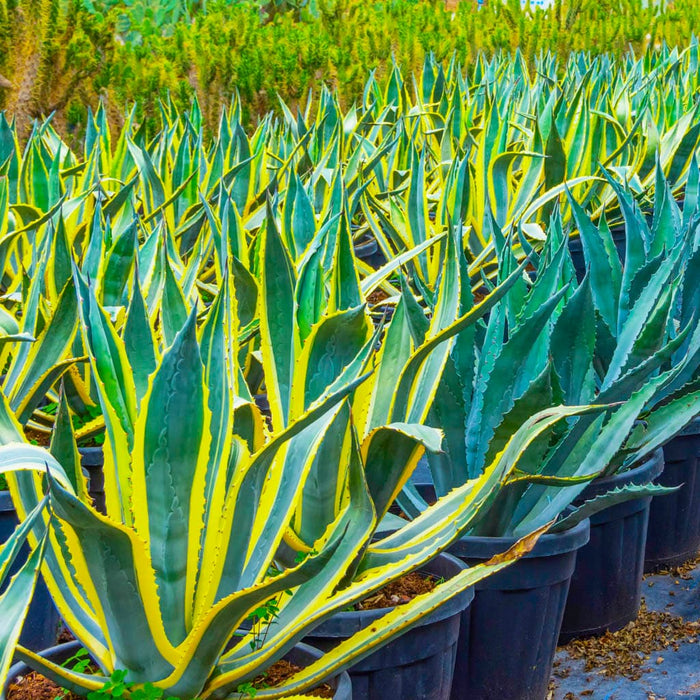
(453,514)
(629,492)
(310,290)
(318,503)
(12,547)
(218,625)
(495,393)
(422,372)
(138,341)
(279,487)
(588,449)
(15,600)
(298,217)
(661,424)
(448,412)
(538,395)
(239,546)
(25,466)
(117,394)
(117,564)
(345,285)
(65,451)
(32,363)
(374,280)
(27,406)
(174,311)
(116,267)
(72,681)
(277,329)
(636,322)
(373,406)
(604,269)
(573,344)
(246,290)
(150,180)
(168,512)
(390,455)
(330,348)
(301,612)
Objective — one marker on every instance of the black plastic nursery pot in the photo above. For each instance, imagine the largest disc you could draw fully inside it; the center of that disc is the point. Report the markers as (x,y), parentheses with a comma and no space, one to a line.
(509,633)
(606,587)
(42,622)
(92,460)
(673,535)
(367,249)
(301,655)
(417,665)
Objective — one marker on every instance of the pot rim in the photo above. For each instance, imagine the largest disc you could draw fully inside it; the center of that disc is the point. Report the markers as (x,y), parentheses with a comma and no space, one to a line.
(361,618)
(367,245)
(90,449)
(575,243)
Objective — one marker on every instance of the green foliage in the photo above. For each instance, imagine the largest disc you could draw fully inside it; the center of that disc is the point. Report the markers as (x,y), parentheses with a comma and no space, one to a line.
(156,277)
(141,50)
(116,686)
(626,334)
(195,484)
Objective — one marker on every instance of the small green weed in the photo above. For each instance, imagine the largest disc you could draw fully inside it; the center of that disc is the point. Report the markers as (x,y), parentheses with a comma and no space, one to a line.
(117,685)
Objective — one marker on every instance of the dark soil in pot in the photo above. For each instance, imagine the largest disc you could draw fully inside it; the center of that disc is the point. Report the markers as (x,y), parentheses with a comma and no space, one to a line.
(92,459)
(673,535)
(42,623)
(41,689)
(37,437)
(419,664)
(605,591)
(381,313)
(509,633)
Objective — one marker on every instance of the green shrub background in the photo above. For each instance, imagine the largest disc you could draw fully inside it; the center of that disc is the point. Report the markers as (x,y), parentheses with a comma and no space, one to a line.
(145,50)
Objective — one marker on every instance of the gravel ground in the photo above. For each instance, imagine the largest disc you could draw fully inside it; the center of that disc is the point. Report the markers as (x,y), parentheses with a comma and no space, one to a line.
(668,634)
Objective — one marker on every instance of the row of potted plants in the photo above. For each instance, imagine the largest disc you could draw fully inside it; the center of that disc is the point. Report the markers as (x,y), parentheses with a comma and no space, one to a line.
(502,134)
(152,314)
(492,514)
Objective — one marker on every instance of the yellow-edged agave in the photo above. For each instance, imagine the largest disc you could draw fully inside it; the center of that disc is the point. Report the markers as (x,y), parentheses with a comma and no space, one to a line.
(627,334)
(209,513)
(200,498)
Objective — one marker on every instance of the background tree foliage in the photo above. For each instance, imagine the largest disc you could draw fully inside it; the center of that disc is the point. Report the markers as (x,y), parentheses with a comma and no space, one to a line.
(63,55)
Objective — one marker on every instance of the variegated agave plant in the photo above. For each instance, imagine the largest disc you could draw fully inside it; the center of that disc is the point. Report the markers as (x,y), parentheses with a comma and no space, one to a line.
(637,315)
(200,500)
(627,338)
